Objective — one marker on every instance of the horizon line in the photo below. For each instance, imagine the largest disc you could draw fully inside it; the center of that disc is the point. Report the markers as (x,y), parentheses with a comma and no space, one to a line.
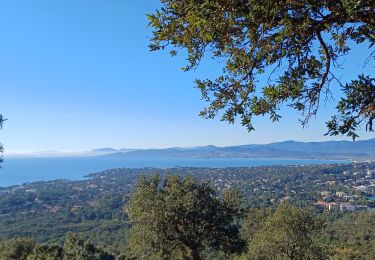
(85,151)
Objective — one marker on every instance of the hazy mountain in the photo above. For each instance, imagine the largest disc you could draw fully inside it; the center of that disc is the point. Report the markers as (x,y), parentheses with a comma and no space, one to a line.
(288,149)
(104,150)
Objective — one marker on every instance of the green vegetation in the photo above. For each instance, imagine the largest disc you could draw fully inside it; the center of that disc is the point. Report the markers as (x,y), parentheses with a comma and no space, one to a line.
(350,236)
(287,234)
(17,248)
(74,248)
(179,218)
(206,213)
(275,53)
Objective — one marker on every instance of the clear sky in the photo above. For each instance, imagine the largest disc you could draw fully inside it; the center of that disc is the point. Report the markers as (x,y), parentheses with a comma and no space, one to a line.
(77,75)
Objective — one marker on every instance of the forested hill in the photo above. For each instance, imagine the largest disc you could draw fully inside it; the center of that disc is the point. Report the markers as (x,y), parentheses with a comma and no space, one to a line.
(288,149)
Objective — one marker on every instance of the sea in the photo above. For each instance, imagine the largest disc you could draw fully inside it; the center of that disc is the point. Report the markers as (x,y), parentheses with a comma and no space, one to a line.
(16,171)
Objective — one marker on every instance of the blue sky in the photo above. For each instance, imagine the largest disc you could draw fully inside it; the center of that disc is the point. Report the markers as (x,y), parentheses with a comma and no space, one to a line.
(77,75)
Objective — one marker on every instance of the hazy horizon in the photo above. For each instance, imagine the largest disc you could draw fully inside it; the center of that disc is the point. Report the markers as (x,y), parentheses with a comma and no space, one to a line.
(83,151)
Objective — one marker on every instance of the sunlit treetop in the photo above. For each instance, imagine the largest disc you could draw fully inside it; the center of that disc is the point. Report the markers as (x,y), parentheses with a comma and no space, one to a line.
(276,53)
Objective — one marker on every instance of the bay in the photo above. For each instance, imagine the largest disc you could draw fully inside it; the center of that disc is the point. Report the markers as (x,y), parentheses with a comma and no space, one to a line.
(17,171)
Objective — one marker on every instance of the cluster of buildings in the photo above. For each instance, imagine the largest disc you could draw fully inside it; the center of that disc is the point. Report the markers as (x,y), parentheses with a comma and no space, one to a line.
(359,192)
(340,206)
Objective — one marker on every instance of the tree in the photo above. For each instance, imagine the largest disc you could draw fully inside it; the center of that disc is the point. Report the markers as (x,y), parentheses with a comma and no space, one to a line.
(76,248)
(180,218)
(47,252)
(16,248)
(287,234)
(276,53)
(253,221)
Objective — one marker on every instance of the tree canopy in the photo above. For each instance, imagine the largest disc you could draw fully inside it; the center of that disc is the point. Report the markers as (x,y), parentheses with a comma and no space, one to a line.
(276,53)
(76,248)
(179,218)
(16,248)
(286,234)
(46,252)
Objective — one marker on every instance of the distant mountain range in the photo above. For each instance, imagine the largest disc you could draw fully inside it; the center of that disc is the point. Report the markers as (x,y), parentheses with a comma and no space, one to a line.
(288,149)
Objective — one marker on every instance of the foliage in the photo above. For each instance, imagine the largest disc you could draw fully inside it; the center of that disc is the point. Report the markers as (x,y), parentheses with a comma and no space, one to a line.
(180,217)
(46,252)
(46,211)
(253,221)
(356,107)
(94,207)
(287,234)
(16,248)
(76,248)
(351,236)
(275,53)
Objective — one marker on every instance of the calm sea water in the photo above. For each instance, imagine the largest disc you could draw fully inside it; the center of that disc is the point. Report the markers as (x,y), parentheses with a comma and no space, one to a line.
(21,170)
